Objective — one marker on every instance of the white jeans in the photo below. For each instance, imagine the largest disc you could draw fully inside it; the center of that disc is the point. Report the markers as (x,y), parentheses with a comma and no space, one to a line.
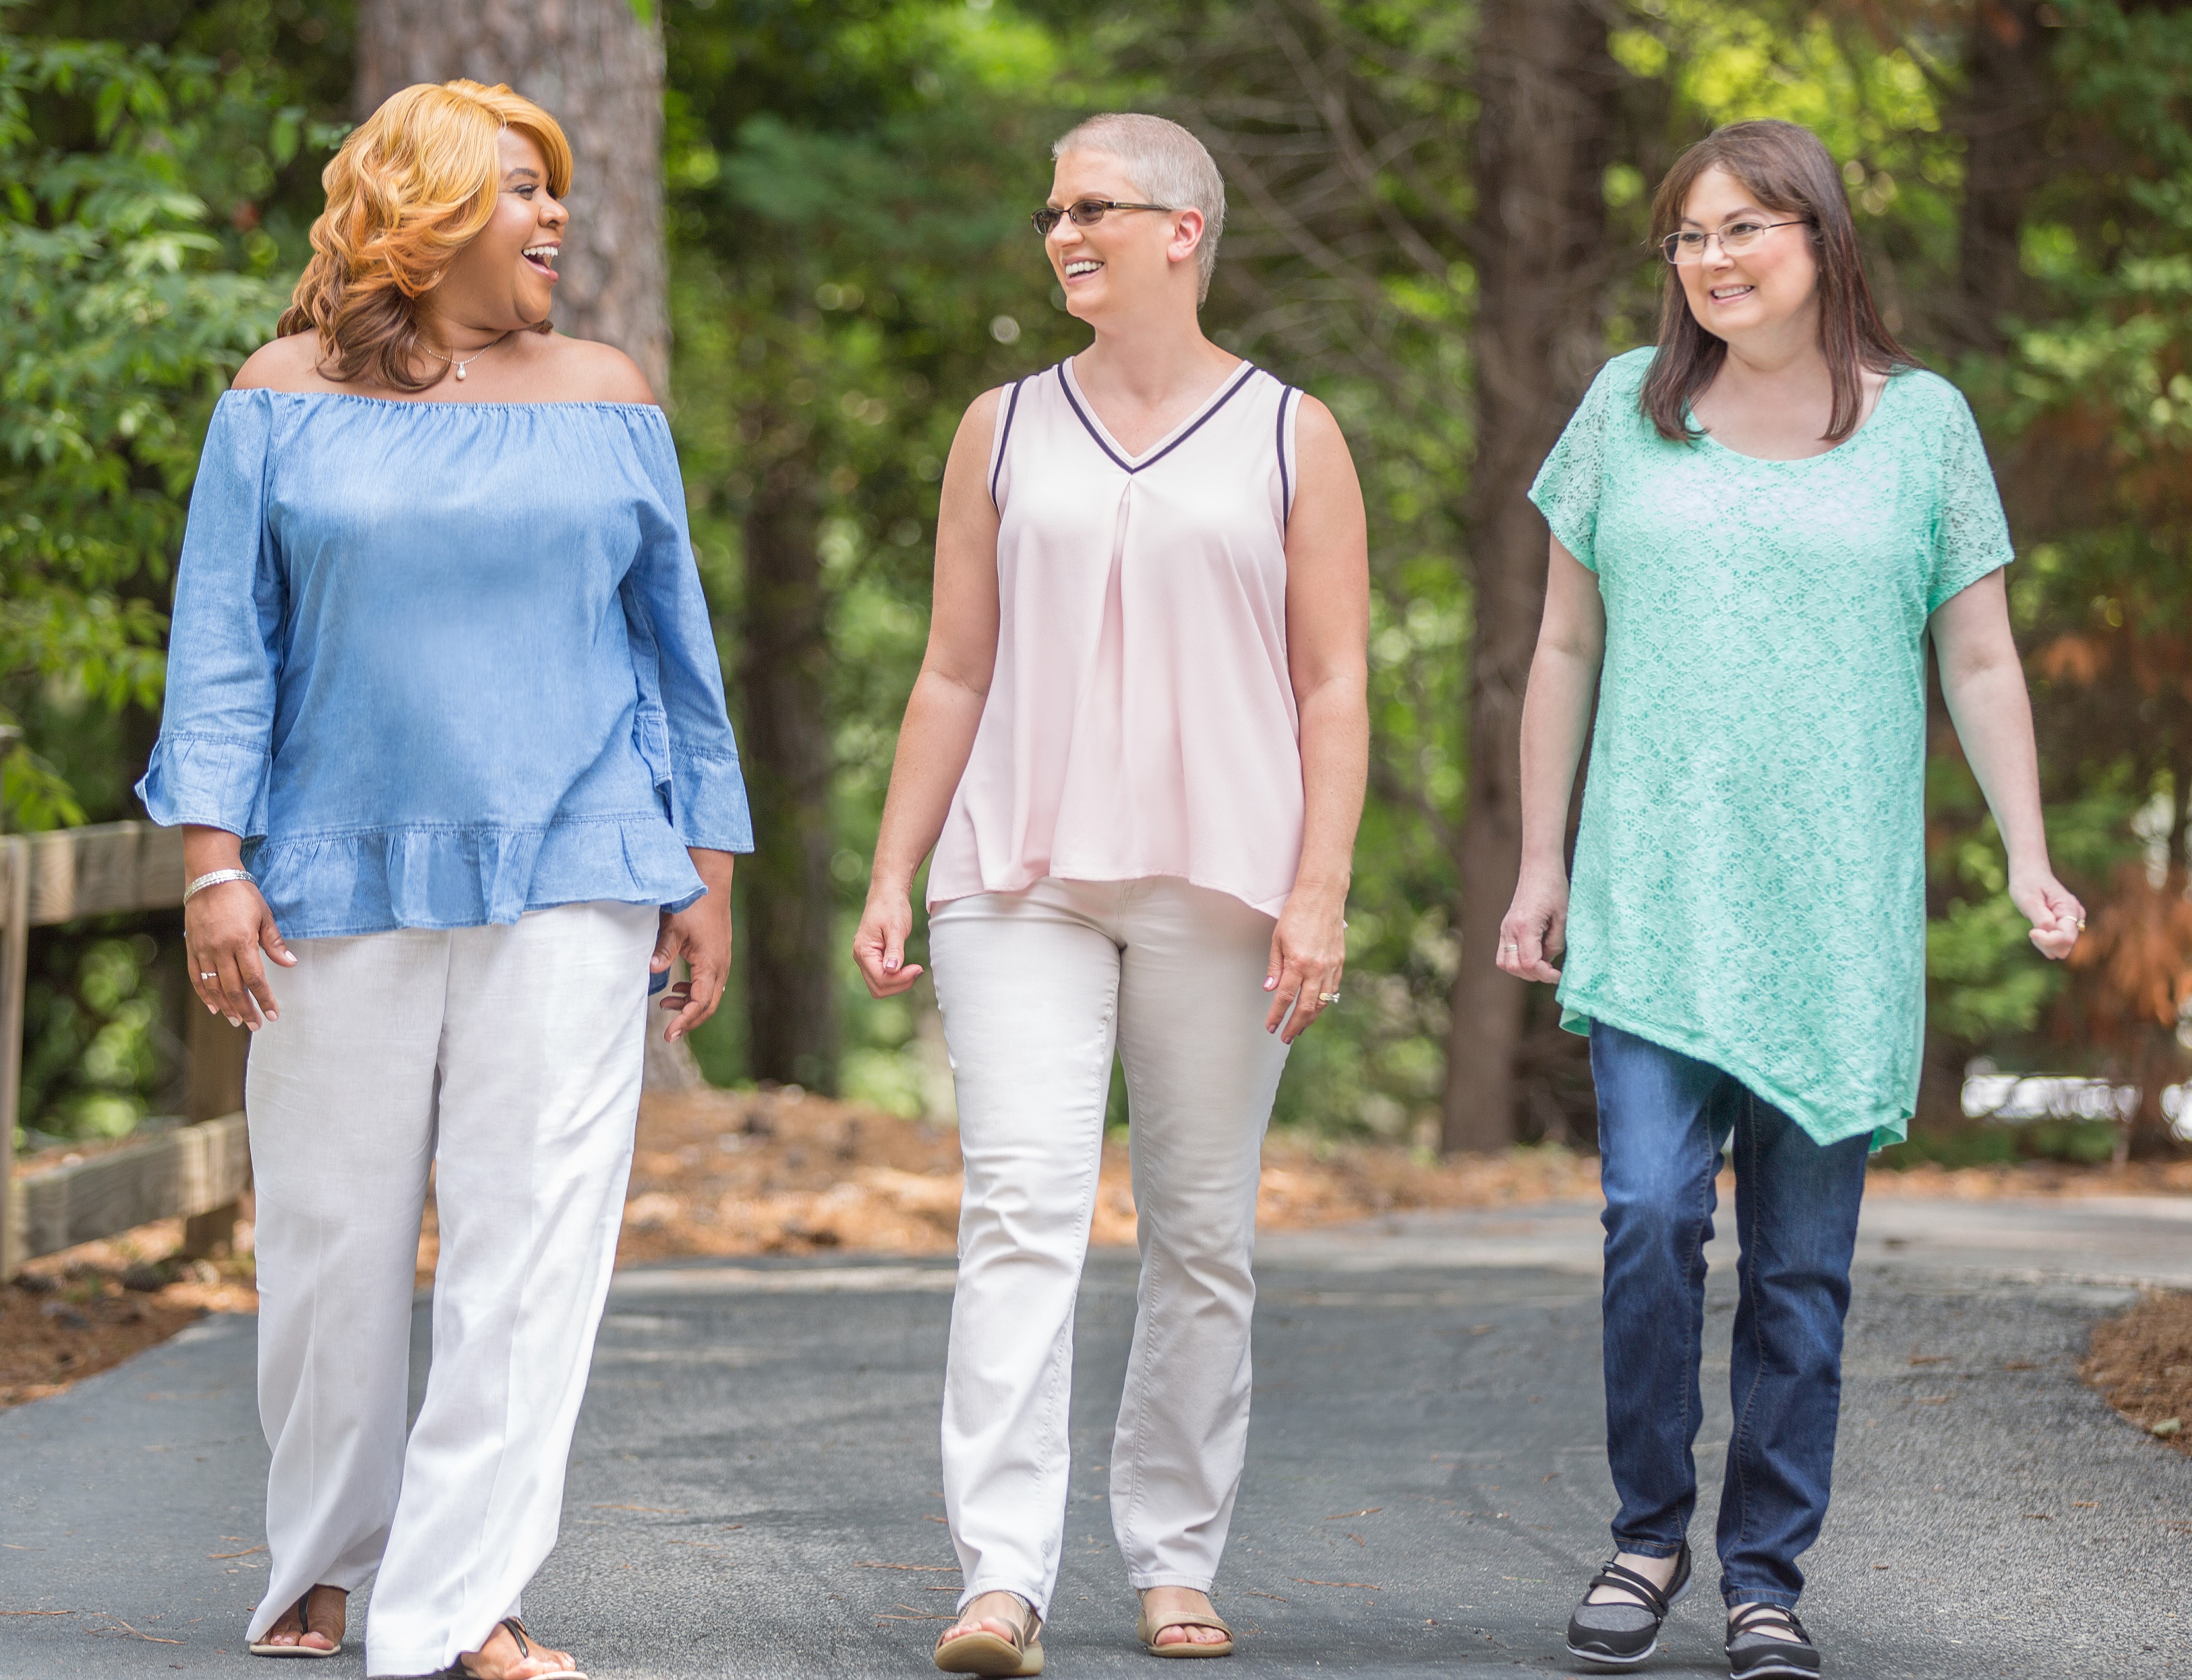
(1037,987)
(508,1057)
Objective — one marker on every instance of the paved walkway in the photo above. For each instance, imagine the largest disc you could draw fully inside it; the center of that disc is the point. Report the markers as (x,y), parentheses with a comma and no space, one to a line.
(754,1488)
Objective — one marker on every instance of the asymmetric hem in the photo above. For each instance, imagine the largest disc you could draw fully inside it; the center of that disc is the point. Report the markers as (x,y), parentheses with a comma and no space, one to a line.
(1749,876)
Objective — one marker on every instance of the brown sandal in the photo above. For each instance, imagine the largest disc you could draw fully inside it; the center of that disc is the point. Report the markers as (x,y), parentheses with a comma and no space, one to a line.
(458,1671)
(983,1653)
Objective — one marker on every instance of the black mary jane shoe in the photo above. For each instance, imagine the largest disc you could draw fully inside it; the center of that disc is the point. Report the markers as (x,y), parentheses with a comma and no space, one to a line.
(1617,1647)
(1761,1655)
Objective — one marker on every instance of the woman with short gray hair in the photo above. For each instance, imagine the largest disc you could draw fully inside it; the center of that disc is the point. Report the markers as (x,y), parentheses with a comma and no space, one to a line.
(1138,747)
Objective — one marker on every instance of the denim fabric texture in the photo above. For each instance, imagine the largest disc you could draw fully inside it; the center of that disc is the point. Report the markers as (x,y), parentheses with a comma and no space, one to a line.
(1662,1119)
(441,664)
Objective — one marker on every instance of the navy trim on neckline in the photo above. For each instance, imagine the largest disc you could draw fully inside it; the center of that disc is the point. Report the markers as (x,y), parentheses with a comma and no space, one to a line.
(1248,371)
(1286,483)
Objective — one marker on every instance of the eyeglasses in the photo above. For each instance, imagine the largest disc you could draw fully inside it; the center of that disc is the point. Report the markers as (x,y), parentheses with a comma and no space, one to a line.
(1086,213)
(1735,238)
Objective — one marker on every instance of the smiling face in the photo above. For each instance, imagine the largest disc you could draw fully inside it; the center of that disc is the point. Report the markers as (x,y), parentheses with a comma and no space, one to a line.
(1769,292)
(1129,259)
(505,278)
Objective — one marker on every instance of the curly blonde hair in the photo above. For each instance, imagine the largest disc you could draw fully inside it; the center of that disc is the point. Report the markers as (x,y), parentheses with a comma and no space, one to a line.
(413,185)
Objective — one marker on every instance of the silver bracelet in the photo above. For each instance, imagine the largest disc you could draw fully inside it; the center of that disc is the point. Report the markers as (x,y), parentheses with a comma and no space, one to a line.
(216,879)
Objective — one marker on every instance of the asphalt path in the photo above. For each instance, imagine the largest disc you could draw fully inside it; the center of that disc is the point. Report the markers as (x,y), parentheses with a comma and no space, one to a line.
(754,1488)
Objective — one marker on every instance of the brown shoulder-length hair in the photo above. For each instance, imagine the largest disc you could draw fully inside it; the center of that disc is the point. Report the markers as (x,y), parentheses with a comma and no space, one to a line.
(412,186)
(1787,171)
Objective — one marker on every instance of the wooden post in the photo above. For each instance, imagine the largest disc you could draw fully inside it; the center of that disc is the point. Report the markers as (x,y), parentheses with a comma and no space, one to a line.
(15,966)
(217,1052)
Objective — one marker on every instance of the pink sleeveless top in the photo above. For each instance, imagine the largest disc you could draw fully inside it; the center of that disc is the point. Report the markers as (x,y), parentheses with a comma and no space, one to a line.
(1141,720)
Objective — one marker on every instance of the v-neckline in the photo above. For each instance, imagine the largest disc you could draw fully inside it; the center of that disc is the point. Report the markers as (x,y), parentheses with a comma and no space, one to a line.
(1164,445)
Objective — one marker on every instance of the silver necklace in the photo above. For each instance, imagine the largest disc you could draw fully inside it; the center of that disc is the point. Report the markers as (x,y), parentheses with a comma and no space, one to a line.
(468,361)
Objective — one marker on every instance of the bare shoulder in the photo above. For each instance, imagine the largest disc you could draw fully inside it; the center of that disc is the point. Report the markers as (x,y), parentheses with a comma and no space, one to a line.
(582,371)
(1318,440)
(981,416)
(285,364)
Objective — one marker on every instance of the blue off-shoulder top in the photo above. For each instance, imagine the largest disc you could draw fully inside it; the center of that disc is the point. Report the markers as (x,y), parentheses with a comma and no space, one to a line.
(440,663)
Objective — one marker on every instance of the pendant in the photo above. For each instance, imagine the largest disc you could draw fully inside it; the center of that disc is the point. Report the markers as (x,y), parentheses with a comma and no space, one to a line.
(461,373)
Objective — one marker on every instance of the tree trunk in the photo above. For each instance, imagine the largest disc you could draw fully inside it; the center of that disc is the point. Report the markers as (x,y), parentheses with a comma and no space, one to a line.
(791,957)
(1544,135)
(595,67)
(2002,114)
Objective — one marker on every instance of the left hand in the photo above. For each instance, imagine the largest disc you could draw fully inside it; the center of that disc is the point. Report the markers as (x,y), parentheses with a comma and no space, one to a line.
(2057,916)
(701,934)
(1308,954)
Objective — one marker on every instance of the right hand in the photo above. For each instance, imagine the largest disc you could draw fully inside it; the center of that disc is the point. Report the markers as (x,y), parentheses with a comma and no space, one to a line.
(879,946)
(1535,929)
(225,929)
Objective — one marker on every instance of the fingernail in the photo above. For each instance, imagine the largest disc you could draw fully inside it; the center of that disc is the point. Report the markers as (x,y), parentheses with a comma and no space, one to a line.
(235,1021)
(1270,985)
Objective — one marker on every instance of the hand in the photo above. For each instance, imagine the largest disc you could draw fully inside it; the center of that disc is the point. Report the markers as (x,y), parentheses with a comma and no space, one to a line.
(879,946)
(2057,916)
(1535,928)
(1308,954)
(225,929)
(701,934)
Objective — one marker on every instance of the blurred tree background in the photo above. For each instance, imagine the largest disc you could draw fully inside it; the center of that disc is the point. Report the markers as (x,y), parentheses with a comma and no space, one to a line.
(1437,225)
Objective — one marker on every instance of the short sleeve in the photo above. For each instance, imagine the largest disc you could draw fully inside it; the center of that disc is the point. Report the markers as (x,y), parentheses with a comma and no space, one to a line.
(1568,485)
(210,765)
(1971,534)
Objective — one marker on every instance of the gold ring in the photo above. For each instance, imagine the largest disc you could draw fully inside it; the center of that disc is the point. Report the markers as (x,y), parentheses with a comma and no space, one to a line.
(1327,997)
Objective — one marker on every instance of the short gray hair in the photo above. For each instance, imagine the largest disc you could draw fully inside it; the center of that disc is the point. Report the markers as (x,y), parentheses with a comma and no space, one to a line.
(1170,165)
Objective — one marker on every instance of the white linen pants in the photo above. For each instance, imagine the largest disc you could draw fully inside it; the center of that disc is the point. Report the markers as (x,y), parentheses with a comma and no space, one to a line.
(1036,988)
(509,1058)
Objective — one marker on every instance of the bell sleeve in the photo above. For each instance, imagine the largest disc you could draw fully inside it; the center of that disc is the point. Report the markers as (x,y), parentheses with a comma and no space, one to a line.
(210,765)
(684,732)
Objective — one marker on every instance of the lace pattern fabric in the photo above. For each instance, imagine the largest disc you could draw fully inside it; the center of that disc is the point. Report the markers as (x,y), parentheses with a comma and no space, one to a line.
(1749,878)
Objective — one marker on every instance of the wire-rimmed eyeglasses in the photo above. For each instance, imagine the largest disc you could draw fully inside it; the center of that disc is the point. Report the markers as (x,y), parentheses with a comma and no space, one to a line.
(1085,212)
(1737,238)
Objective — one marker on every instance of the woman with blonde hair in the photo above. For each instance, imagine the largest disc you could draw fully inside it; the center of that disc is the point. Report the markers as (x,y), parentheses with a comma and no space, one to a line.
(445,728)
(1138,746)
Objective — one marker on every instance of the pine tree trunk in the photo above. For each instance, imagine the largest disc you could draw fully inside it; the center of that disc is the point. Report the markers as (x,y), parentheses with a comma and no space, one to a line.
(1543,138)
(2001,114)
(597,68)
(791,955)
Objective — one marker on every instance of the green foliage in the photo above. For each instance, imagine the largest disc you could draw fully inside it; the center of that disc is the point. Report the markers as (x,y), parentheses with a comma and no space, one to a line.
(97,1046)
(120,316)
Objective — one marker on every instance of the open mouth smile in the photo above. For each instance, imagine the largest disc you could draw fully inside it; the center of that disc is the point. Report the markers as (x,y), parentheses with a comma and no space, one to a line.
(542,259)
(1730,295)
(1081,267)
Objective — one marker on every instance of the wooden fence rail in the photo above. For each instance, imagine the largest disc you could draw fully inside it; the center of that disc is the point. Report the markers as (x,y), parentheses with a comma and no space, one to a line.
(194,1170)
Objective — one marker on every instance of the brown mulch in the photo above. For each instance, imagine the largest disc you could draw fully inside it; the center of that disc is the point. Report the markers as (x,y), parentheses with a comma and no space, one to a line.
(723,1173)
(2142,1364)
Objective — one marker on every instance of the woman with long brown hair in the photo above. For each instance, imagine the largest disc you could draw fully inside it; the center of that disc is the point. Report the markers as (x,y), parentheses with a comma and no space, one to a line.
(445,727)
(1757,527)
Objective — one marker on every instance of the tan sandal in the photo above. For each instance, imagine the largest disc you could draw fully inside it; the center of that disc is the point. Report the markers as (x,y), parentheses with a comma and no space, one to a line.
(1147,1632)
(983,1653)
(263,1648)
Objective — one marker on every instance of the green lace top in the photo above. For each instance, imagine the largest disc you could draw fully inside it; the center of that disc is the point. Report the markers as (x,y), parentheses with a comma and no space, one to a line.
(1750,880)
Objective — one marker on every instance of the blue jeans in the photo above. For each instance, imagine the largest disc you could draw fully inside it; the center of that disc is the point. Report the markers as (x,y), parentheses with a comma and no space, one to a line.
(1662,1119)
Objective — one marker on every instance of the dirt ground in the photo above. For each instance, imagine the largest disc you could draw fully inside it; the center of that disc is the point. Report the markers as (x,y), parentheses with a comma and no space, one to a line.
(730,1173)
(2142,1364)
